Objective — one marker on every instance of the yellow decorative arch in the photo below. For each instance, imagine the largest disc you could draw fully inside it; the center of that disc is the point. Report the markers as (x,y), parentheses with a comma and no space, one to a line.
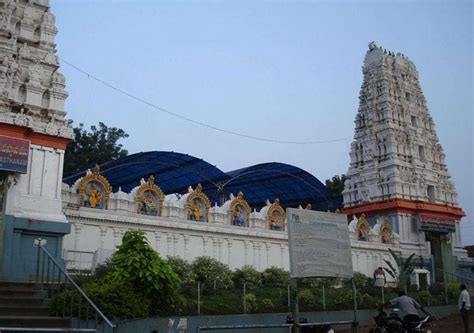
(386,232)
(276,216)
(362,229)
(197,205)
(94,190)
(237,217)
(150,198)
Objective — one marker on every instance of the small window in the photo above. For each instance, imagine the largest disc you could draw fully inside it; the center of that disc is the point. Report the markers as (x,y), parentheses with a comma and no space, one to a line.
(413,120)
(407,96)
(431,193)
(421,152)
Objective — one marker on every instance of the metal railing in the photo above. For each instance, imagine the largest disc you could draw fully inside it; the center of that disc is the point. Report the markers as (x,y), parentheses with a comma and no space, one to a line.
(74,301)
(282,326)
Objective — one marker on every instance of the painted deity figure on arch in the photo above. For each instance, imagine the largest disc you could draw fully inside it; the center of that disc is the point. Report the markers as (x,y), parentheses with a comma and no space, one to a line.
(276,220)
(94,195)
(149,203)
(198,210)
(239,216)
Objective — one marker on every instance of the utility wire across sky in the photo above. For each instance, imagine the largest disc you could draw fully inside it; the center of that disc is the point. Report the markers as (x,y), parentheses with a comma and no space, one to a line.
(197,122)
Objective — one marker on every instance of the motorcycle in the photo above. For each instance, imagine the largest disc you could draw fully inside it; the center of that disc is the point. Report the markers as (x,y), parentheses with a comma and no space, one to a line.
(393,323)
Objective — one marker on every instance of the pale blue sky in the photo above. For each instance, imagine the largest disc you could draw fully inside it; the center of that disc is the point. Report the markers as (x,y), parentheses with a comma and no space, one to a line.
(275,69)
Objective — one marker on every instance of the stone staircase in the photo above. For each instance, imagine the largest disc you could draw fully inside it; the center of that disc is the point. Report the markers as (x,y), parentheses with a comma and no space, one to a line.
(24,307)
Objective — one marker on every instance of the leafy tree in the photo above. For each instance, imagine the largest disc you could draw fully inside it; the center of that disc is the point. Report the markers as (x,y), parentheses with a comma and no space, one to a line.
(212,273)
(248,275)
(137,264)
(336,184)
(402,272)
(275,277)
(98,146)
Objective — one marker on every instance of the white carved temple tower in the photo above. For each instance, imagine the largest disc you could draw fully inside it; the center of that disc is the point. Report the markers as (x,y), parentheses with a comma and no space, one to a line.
(397,170)
(33,136)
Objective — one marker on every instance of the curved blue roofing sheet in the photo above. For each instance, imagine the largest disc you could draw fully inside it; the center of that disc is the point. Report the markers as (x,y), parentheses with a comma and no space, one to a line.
(175,172)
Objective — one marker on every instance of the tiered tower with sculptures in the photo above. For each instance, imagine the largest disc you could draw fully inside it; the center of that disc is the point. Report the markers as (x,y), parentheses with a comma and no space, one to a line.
(397,170)
(32,95)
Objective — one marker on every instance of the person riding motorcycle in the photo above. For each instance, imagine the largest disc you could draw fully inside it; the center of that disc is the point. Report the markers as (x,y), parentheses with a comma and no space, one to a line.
(408,308)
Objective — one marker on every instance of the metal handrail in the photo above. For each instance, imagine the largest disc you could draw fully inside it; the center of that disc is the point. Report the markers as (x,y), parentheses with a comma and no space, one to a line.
(68,277)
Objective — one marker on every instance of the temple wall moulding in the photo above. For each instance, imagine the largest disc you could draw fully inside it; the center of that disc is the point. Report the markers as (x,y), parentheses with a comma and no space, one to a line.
(147,199)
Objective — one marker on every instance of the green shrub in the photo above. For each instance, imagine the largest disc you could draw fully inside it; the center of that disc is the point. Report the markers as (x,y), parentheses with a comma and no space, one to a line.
(363,283)
(212,273)
(184,271)
(367,301)
(423,297)
(248,275)
(453,290)
(115,299)
(251,303)
(267,305)
(307,300)
(275,277)
(223,302)
(339,299)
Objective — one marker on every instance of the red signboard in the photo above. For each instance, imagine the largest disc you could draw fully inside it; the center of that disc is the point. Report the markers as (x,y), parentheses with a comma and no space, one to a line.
(14,154)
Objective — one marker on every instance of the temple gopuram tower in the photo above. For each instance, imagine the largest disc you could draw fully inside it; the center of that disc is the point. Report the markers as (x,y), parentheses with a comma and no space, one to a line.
(397,170)
(33,137)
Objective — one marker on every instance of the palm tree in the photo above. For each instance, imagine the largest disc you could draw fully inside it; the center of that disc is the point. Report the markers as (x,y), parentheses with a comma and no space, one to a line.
(402,273)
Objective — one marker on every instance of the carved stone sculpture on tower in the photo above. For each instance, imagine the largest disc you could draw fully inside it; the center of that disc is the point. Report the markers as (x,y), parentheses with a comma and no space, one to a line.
(9,69)
(7,12)
(35,74)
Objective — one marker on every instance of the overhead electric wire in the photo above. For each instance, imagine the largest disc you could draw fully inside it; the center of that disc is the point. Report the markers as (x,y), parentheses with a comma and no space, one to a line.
(197,122)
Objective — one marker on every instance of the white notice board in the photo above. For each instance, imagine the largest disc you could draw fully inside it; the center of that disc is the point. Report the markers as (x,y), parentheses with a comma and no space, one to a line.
(319,244)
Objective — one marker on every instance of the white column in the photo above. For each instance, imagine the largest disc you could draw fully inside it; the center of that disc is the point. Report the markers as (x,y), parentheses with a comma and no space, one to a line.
(246,258)
(204,246)
(255,250)
(169,248)
(117,239)
(214,248)
(157,242)
(186,246)
(219,244)
(229,250)
(77,234)
(164,247)
(282,256)
(103,235)
(175,245)
(259,245)
(267,250)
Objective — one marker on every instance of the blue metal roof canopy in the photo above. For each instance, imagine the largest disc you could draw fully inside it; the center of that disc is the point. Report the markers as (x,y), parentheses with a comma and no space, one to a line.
(292,185)
(175,172)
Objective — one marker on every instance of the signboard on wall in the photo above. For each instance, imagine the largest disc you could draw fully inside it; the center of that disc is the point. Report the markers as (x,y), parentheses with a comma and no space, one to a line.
(319,244)
(14,154)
